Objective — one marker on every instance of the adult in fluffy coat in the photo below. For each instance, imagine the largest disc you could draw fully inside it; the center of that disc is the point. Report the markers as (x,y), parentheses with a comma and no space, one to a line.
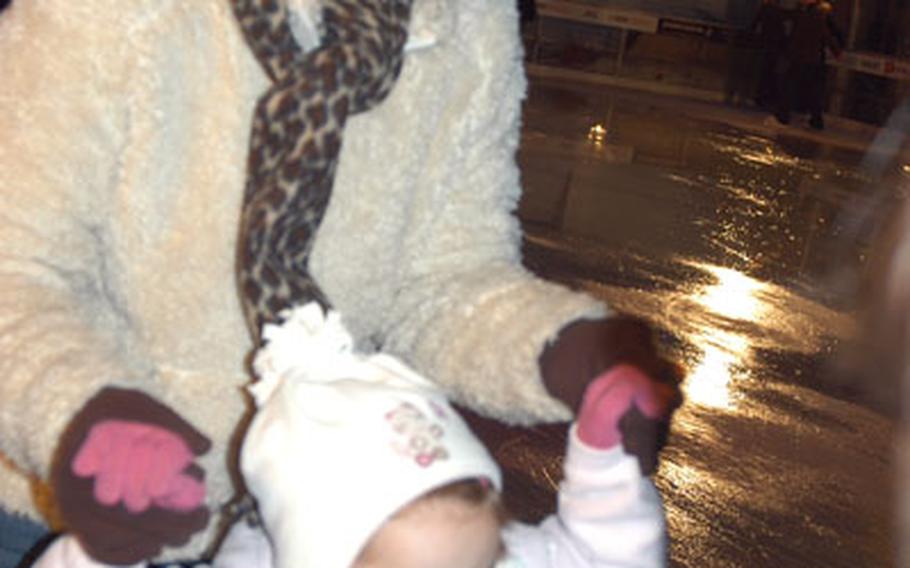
(126,126)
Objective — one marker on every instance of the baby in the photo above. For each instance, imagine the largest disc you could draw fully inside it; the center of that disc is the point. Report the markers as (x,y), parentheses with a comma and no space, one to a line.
(356,461)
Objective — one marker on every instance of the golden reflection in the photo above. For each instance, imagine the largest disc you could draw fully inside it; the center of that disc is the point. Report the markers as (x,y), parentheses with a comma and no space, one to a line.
(681,474)
(733,295)
(709,380)
(731,298)
(766,157)
(597,134)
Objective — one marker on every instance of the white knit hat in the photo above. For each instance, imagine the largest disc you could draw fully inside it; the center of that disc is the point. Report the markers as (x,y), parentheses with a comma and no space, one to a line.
(341,441)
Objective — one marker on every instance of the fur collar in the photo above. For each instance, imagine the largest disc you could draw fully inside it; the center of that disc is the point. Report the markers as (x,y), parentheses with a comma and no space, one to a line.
(431,22)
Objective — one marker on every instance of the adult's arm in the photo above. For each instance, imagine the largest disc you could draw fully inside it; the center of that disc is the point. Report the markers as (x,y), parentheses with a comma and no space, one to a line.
(63,326)
(420,249)
(467,313)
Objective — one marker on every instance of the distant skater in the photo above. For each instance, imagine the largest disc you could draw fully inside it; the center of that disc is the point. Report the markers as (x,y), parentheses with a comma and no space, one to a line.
(803,81)
(769,27)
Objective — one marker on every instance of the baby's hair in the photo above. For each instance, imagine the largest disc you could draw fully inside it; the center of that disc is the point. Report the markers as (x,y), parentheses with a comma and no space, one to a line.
(474,492)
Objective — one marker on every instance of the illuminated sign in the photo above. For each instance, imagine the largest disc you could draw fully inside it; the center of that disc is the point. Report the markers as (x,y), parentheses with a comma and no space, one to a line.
(874,64)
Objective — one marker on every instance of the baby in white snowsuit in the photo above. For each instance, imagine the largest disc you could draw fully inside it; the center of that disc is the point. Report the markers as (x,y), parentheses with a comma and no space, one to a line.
(358,462)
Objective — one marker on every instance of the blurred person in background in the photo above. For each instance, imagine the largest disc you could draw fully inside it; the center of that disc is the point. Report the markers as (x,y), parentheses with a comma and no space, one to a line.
(875,364)
(769,29)
(804,76)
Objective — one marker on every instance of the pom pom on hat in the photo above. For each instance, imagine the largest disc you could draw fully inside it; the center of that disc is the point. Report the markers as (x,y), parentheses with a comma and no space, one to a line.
(309,345)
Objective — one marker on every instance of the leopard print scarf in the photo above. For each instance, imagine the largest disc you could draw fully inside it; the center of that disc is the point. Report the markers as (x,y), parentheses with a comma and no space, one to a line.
(297,134)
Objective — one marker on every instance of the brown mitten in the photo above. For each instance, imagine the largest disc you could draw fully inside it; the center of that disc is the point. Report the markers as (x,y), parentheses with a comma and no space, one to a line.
(586,348)
(125,480)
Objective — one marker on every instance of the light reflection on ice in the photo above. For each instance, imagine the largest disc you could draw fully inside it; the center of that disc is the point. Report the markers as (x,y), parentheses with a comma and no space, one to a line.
(709,380)
(733,294)
(726,316)
(597,135)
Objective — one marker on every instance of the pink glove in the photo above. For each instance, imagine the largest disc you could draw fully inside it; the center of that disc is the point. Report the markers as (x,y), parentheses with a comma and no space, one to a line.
(613,394)
(139,464)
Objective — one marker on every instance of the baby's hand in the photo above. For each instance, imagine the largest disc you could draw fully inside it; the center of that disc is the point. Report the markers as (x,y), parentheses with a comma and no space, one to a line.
(625,405)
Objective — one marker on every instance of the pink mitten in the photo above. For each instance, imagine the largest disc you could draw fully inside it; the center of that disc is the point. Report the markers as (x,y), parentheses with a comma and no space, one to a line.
(610,396)
(120,448)
(139,464)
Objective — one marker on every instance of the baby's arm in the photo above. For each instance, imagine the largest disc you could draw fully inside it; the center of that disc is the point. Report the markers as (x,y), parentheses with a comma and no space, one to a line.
(66,552)
(610,514)
(243,547)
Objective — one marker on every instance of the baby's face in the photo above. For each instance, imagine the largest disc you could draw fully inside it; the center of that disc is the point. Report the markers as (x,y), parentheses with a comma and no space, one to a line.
(439,533)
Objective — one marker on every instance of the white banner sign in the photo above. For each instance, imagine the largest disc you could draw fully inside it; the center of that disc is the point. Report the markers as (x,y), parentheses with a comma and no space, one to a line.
(874,64)
(598,14)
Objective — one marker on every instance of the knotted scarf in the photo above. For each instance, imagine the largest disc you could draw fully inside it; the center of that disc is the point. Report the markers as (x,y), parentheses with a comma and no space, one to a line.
(297,135)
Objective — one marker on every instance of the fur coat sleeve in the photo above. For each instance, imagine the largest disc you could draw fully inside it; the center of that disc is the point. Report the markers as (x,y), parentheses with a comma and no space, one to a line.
(123,129)
(61,323)
(420,248)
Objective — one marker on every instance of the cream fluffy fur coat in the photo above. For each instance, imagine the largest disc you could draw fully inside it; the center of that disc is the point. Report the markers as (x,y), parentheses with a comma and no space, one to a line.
(124,128)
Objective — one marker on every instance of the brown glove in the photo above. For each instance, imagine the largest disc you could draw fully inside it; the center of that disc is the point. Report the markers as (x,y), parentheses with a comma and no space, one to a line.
(586,348)
(128,529)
